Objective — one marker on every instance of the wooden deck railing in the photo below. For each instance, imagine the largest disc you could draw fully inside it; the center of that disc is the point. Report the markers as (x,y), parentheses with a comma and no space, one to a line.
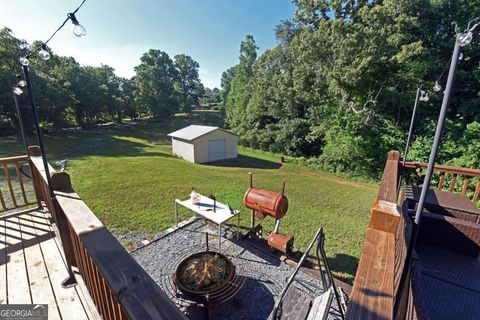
(448,178)
(14,194)
(118,286)
(379,291)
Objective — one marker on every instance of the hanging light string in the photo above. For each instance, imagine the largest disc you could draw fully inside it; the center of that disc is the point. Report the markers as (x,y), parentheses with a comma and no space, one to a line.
(78,30)
(351,104)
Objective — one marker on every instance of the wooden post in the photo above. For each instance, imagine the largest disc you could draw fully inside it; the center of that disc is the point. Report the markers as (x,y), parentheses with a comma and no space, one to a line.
(62,181)
(283,187)
(251,179)
(34,151)
(465,185)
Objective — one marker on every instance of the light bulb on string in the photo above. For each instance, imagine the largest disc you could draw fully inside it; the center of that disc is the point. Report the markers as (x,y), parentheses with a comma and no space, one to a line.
(44,54)
(437,87)
(77,29)
(24,61)
(460,56)
(465,38)
(17,91)
(424,96)
(21,83)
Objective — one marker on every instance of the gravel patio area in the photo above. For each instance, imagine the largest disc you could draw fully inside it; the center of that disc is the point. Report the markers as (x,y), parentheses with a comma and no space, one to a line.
(261,275)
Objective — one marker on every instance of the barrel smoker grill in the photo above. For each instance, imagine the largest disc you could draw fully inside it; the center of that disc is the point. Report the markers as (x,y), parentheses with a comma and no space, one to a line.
(268,203)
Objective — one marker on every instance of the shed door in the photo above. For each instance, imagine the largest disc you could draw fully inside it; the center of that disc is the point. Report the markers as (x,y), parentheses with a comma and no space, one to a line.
(217,149)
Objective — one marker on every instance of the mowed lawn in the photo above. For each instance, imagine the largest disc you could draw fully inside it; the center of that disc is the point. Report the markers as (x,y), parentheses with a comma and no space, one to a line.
(129,178)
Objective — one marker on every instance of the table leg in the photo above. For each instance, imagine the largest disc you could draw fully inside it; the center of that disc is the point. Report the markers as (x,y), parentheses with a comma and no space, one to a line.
(219,237)
(176,213)
(238,226)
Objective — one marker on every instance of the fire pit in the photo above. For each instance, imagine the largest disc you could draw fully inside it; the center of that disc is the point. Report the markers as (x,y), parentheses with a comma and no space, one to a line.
(204,273)
(207,277)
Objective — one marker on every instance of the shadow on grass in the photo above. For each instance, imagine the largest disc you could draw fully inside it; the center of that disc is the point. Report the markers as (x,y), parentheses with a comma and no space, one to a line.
(246,162)
(342,265)
(112,141)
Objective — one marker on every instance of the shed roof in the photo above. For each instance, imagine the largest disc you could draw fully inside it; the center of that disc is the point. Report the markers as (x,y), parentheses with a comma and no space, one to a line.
(194,131)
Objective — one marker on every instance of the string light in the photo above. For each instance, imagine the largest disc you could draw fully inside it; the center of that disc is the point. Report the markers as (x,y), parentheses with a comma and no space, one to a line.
(24,61)
(17,91)
(437,87)
(466,37)
(351,104)
(44,54)
(77,28)
(424,96)
(21,83)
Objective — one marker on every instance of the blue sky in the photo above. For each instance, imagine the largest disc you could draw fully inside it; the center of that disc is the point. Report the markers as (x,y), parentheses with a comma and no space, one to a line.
(118,32)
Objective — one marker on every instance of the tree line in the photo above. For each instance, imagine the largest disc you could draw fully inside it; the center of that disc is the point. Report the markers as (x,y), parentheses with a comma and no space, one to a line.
(69,94)
(339,87)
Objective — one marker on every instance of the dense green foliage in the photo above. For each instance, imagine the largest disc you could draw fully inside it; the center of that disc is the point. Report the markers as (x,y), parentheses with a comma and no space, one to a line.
(340,86)
(69,94)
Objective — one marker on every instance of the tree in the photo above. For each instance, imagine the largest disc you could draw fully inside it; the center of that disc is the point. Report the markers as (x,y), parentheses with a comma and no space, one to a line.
(154,82)
(11,49)
(238,95)
(225,83)
(188,84)
(340,85)
(211,96)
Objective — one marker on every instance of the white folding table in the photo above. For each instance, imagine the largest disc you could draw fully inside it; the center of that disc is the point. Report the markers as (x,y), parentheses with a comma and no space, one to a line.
(205,208)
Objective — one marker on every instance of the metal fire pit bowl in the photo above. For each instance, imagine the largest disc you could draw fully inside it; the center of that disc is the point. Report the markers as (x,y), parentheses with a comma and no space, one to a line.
(227,275)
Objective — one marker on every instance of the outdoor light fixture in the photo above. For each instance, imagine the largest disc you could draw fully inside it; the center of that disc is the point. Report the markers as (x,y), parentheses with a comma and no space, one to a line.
(44,54)
(462,39)
(17,91)
(466,37)
(24,61)
(437,87)
(77,28)
(21,83)
(424,96)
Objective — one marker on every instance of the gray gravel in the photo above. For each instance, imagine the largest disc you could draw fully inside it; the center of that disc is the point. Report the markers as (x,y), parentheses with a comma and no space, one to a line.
(261,275)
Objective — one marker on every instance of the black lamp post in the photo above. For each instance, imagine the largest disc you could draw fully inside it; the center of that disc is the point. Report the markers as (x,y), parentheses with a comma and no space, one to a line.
(462,39)
(38,130)
(79,31)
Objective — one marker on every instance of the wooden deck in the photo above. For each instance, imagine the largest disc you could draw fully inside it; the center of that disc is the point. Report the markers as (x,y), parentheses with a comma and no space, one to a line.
(32,267)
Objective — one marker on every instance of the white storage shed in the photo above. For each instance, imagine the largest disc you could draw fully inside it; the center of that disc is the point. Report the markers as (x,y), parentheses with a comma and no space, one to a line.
(201,144)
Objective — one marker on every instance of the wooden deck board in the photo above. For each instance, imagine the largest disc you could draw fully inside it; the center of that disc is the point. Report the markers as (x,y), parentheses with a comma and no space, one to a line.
(33,266)
(17,277)
(86,301)
(68,300)
(40,286)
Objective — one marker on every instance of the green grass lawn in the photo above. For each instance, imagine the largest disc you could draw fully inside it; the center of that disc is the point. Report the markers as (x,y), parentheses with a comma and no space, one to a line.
(129,178)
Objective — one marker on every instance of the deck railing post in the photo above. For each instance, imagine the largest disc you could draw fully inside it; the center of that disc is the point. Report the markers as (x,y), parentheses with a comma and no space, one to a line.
(35,151)
(61,181)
